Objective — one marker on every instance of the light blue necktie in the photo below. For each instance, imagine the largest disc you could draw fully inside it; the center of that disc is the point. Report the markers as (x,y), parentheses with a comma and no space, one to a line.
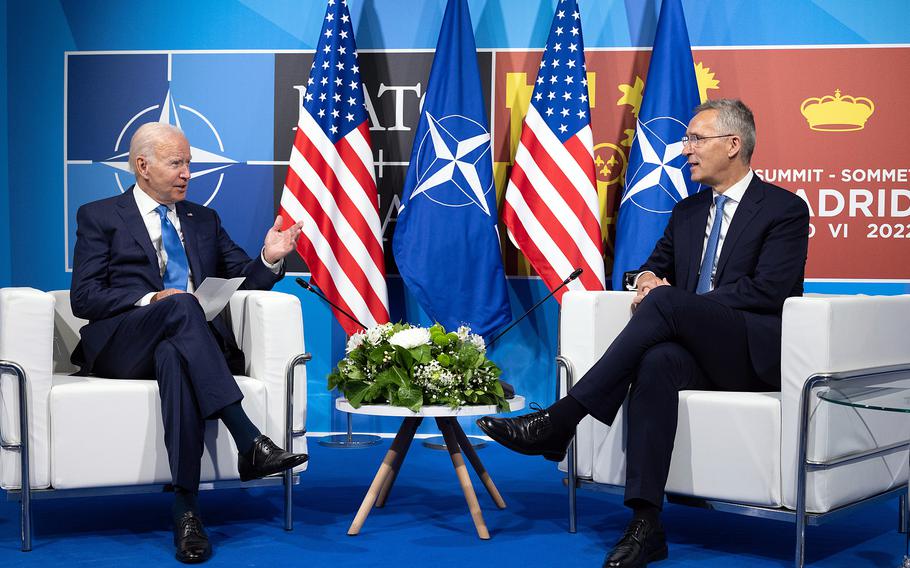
(707,263)
(176,272)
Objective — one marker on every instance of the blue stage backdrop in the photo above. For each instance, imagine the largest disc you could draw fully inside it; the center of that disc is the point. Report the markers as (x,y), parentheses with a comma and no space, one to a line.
(79,78)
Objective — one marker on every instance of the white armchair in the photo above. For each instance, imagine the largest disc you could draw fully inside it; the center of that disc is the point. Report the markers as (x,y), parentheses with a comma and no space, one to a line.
(99,436)
(742,452)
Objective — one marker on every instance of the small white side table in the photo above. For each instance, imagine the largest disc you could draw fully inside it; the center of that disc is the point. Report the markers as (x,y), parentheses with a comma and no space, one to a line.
(456,443)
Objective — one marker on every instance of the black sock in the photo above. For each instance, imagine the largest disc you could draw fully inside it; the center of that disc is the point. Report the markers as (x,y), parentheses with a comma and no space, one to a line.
(184,500)
(565,414)
(238,423)
(646,510)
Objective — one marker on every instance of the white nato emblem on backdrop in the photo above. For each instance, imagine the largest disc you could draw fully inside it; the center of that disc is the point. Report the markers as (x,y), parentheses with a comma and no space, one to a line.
(661,153)
(458,170)
(168,113)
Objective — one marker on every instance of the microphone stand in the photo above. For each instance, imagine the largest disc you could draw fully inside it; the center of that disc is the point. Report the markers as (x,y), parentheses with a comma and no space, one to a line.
(575,274)
(348,439)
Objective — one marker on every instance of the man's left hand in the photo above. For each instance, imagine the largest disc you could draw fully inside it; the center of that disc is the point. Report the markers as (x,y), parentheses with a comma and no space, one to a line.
(646,287)
(278,243)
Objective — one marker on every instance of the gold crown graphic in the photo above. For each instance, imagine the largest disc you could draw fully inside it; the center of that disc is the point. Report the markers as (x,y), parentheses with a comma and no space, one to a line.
(840,113)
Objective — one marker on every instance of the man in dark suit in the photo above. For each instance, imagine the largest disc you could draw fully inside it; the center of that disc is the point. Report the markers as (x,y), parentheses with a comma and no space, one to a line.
(707,316)
(136,257)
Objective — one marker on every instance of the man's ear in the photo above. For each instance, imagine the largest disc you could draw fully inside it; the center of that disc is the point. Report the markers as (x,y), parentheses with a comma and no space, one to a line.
(735,147)
(142,166)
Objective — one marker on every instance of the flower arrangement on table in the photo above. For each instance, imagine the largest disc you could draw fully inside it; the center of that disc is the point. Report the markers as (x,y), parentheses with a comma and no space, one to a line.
(411,366)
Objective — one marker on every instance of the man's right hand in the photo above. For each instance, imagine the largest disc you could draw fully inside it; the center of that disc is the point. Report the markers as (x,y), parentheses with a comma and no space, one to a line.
(647,282)
(165,293)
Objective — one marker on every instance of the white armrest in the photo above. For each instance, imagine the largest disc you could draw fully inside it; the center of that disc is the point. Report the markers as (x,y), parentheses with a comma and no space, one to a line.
(589,323)
(829,335)
(268,327)
(26,338)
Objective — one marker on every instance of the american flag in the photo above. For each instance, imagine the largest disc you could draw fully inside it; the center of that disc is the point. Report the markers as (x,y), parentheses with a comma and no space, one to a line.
(330,184)
(551,206)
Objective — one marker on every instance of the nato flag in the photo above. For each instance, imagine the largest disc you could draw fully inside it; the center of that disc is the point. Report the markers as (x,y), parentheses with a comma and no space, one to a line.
(446,242)
(658,174)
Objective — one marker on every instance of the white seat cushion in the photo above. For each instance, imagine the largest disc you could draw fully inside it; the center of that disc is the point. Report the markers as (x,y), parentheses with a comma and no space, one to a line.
(130,450)
(727,447)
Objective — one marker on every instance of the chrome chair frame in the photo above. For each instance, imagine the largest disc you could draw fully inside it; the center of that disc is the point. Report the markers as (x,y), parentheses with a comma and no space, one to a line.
(800,516)
(26,494)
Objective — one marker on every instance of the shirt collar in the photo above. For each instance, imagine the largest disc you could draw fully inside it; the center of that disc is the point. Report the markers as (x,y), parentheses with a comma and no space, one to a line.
(145,203)
(736,191)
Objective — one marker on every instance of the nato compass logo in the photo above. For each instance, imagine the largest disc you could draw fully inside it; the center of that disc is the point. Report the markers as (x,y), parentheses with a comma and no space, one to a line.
(454,167)
(223,102)
(204,162)
(659,173)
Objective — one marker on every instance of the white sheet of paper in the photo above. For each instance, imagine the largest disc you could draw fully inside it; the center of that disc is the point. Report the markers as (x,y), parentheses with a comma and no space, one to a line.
(214,293)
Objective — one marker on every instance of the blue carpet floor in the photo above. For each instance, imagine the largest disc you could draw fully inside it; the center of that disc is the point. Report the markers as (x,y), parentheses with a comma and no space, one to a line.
(425,523)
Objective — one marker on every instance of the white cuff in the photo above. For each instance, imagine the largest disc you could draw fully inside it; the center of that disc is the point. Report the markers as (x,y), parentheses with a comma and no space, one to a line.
(146,300)
(276,267)
(639,275)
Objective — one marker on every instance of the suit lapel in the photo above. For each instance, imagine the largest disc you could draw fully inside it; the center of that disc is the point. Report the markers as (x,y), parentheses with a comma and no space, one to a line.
(697,221)
(745,212)
(129,212)
(188,228)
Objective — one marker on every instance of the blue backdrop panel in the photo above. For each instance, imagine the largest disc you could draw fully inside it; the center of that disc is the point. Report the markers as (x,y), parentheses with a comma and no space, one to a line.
(105,93)
(228,112)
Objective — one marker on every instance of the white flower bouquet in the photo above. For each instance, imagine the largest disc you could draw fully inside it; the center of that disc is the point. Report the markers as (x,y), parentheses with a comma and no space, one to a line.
(410,366)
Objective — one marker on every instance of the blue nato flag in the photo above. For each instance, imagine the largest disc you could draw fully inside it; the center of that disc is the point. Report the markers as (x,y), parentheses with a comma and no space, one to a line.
(658,174)
(446,241)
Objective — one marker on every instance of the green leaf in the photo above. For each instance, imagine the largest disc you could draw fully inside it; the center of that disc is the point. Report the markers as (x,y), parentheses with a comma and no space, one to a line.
(405,356)
(355,392)
(401,378)
(410,397)
(422,354)
(334,379)
(372,392)
(378,354)
(353,373)
(391,376)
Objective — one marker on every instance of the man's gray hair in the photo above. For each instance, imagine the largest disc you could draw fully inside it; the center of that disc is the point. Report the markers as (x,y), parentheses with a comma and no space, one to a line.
(734,117)
(146,137)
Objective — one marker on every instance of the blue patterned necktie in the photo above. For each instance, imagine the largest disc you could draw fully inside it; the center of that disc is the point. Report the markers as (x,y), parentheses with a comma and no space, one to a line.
(176,272)
(707,263)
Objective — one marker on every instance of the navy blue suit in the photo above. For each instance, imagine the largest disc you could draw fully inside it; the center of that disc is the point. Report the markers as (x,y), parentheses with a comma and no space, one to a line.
(726,339)
(114,266)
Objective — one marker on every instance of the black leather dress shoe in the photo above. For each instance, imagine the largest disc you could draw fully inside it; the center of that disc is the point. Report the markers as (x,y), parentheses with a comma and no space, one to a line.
(266,458)
(532,435)
(190,539)
(642,543)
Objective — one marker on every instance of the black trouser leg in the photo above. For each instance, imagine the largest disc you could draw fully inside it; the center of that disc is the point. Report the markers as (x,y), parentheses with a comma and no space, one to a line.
(171,341)
(714,334)
(665,369)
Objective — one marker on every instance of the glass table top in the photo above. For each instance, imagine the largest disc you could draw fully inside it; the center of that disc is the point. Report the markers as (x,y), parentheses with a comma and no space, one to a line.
(888,398)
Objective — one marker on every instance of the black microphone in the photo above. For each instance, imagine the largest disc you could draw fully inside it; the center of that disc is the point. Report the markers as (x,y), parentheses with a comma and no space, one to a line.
(575,274)
(307,286)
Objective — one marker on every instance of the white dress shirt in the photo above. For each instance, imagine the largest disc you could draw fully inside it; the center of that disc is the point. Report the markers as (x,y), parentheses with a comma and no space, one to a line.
(151,218)
(734,195)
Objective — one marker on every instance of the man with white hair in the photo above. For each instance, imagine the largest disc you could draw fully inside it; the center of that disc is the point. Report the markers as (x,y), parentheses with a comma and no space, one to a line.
(136,257)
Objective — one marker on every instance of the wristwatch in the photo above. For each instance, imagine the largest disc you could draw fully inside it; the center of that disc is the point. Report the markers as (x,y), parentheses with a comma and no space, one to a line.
(628,279)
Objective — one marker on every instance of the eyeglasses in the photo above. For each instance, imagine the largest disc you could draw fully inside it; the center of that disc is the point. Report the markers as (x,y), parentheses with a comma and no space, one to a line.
(694,139)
